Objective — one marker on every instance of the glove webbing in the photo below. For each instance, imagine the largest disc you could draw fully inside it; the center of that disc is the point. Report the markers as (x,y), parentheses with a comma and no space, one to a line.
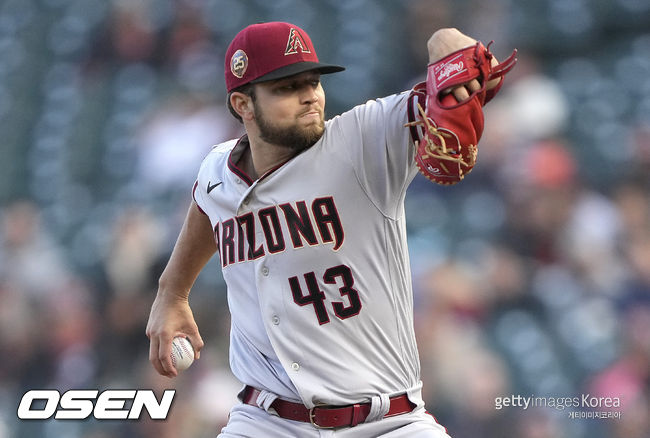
(440,151)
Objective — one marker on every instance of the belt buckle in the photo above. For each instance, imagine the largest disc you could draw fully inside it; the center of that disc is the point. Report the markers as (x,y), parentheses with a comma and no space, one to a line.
(312,418)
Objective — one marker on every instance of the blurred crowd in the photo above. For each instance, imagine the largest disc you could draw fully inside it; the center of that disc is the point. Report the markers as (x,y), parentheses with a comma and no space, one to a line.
(531,277)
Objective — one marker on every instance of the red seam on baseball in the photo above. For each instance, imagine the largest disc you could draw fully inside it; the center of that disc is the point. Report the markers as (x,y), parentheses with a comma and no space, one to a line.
(184,347)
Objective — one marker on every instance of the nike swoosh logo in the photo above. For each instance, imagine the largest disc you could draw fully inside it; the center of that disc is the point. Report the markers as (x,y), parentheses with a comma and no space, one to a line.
(212,186)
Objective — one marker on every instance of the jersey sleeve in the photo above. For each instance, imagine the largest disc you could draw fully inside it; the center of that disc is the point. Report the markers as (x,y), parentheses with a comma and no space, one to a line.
(197,195)
(211,170)
(380,148)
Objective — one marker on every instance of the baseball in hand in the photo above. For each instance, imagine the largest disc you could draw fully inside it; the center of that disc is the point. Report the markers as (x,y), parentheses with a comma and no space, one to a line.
(182,353)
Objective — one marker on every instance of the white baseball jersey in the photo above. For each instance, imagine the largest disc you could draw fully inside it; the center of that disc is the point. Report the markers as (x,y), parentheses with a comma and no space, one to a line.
(315,259)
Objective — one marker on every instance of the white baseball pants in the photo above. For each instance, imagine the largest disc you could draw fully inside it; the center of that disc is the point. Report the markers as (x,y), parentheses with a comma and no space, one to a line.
(253,422)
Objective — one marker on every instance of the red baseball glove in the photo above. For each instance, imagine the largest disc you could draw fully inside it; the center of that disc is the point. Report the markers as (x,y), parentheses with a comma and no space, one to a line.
(448,147)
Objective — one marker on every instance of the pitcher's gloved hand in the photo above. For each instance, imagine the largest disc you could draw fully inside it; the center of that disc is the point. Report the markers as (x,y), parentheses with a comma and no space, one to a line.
(448,146)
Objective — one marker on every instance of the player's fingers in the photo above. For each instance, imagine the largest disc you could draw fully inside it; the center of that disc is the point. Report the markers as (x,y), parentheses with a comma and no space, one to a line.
(460,93)
(153,355)
(195,339)
(494,82)
(473,86)
(165,357)
(197,344)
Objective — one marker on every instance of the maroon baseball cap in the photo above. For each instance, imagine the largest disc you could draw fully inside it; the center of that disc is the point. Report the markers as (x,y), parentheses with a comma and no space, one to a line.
(267,51)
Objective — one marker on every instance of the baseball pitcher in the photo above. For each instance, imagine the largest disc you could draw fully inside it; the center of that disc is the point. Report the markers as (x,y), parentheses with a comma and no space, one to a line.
(307,217)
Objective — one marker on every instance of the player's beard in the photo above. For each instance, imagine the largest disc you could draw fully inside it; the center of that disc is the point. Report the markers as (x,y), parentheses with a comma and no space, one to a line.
(294,137)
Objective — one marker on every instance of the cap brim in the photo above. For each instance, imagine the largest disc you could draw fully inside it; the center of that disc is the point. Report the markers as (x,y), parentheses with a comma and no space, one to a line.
(300,67)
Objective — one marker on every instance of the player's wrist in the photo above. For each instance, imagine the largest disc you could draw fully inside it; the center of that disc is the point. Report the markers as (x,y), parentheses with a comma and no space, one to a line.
(172,294)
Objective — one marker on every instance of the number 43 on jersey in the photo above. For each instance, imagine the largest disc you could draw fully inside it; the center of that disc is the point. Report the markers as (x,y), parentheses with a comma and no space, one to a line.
(338,275)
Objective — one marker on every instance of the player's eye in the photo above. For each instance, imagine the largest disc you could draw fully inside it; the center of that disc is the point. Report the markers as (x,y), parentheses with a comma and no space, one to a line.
(286,87)
(290,87)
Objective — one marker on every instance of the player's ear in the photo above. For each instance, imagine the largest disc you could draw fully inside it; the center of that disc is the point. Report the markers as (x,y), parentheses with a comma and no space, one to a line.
(242,104)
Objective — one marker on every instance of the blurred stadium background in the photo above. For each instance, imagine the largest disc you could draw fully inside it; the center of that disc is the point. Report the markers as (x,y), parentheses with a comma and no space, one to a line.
(532,277)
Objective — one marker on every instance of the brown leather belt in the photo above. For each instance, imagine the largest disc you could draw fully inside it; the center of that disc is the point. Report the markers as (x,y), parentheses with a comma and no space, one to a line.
(326,417)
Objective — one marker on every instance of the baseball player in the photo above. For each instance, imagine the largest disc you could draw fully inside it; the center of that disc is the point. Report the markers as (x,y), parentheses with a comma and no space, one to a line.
(308,219)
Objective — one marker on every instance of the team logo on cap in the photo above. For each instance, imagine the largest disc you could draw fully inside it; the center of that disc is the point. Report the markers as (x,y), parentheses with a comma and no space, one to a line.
(296,42)
(239,63)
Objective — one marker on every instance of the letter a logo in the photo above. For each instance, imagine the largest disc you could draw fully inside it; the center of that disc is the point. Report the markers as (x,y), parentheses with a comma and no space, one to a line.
(296,42)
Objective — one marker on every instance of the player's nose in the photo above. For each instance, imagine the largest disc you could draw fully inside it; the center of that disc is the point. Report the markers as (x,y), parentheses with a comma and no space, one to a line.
(309,95)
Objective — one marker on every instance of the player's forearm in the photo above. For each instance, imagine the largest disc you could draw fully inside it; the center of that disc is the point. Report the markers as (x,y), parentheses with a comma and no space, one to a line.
(194,248)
